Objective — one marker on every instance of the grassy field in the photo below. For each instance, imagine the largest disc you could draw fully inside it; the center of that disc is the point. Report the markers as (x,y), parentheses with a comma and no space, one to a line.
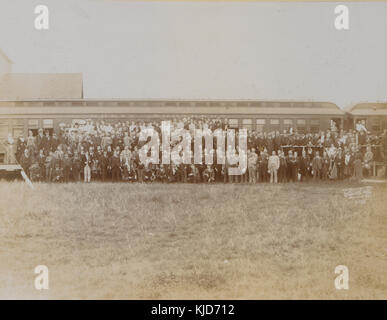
(181,241)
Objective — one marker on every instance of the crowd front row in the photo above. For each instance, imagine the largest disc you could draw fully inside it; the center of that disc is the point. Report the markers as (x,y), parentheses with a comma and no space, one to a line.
(125,165)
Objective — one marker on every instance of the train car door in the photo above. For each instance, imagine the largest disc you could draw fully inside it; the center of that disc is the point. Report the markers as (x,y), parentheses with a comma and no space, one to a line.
(335,124)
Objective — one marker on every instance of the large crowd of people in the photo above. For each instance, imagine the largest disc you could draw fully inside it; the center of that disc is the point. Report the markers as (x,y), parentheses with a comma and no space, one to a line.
(102,151)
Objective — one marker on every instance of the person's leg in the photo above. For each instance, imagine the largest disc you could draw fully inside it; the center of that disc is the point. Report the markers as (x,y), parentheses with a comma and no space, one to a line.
(275,176)
(103,174)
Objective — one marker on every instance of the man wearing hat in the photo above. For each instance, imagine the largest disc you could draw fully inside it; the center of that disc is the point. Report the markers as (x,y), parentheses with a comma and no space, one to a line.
(252,166)
(263,161)
(39,139)
(317,164)
(339,160)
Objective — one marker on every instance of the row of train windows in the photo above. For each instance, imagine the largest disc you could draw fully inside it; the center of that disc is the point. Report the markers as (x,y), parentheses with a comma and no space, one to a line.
(260,125)
(17,126)
(378,124)
(275,124)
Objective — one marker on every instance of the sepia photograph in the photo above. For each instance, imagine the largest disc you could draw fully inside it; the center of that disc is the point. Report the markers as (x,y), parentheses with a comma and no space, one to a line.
(193,150)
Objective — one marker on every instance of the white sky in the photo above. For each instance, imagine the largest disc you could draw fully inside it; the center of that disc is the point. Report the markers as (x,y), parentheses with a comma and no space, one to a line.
(204,50)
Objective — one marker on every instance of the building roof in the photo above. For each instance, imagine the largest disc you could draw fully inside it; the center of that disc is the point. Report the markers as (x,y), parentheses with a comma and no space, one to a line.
(369,109)
(22,86)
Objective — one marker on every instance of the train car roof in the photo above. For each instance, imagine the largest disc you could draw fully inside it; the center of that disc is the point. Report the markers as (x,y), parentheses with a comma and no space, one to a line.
(369,109)
(180,106)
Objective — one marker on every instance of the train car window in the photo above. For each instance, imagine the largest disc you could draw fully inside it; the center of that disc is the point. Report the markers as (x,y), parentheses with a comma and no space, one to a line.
(48,125)
(17,128)
(288,123)
(233,123)
(274,125)
(301,125)
(3,129)
(33,125)
(260,125)
(17,132)
(375,125)
(247,124)
(314,125)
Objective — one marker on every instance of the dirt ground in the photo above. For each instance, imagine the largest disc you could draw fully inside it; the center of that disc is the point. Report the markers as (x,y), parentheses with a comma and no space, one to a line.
(181,241)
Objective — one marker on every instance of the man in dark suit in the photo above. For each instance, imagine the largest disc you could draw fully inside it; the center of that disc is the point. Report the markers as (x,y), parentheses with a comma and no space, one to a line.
(26,161)
(115,163)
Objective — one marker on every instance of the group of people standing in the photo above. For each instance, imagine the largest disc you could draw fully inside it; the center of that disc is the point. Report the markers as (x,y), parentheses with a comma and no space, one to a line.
(103,151)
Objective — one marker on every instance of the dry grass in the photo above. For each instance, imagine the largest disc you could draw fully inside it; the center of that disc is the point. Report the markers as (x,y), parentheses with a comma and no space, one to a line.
(191,241)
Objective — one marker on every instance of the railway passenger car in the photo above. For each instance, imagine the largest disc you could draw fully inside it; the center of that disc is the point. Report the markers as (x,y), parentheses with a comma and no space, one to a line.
(372,115)
(17,117)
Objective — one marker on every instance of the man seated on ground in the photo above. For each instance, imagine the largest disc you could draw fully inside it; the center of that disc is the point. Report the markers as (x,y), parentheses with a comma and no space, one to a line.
(26,161)
(209,174)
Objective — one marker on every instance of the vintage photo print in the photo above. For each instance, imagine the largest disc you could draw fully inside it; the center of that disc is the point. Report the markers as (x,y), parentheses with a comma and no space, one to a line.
(193,150)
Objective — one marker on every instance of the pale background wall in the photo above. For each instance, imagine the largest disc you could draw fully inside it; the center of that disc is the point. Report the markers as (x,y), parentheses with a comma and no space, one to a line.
(204,50)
